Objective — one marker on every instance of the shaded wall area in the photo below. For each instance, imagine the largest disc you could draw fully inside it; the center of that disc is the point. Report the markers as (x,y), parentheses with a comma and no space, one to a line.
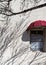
(44,49)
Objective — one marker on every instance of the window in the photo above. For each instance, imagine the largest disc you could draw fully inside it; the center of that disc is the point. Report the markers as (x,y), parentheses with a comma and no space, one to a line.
(36,40)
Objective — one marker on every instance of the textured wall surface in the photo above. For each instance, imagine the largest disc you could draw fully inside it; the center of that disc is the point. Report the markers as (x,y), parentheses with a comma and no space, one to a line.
(14,39)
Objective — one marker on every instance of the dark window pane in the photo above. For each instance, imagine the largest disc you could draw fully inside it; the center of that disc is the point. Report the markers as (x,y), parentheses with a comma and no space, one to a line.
(36,37)
(36,40)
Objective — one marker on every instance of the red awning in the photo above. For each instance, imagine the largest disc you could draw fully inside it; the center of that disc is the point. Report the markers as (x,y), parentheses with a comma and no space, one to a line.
(39,23)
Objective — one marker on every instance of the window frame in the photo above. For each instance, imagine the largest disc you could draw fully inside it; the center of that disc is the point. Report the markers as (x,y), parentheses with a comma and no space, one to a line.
(42,35)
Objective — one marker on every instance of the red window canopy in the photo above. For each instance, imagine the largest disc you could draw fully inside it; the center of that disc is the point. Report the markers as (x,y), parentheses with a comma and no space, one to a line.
(38,23)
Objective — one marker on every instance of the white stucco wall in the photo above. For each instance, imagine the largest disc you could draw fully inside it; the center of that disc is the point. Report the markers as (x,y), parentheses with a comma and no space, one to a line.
(17,51)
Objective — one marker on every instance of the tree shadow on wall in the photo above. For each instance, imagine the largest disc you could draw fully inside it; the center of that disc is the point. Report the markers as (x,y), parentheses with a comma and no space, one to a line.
(26,36)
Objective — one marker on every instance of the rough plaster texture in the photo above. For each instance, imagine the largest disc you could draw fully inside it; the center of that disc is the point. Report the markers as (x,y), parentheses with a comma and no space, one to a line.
(14,41)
